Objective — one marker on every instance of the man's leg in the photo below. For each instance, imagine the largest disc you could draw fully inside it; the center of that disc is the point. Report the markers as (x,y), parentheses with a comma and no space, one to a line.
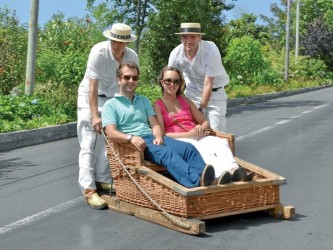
(87,140)
(102,174)
(102,169)
(216,115)
(216,110)
(181,159)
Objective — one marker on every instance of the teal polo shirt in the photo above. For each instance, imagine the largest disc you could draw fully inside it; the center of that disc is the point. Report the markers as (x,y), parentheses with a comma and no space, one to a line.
(130,118)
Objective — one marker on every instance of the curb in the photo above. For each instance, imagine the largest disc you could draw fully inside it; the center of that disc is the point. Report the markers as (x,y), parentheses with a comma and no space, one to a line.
(25,138)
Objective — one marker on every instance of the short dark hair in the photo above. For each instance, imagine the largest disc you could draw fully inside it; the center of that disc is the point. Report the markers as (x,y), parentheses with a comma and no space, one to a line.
(129,64)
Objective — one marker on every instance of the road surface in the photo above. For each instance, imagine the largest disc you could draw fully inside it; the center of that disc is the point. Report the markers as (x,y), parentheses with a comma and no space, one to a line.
(41,206)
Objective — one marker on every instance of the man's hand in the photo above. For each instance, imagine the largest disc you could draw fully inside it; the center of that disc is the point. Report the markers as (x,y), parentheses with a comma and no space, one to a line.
(139,143)
(97,124)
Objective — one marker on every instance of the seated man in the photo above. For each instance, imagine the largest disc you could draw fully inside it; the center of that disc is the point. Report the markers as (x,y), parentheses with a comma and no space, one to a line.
(129,117)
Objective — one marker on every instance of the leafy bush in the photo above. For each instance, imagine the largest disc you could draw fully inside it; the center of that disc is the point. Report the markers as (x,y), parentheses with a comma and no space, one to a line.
(246,63)
(308,68)
(26,112)
(303,69)
(150,90)
(65,68)
(13,51)
(61,98)
(63,50)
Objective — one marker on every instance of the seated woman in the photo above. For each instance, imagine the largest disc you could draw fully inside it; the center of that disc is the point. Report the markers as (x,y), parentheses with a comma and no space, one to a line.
(181,119)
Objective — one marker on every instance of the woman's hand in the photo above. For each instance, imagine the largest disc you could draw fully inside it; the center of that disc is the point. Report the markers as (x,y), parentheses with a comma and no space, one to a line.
(200,129)
(198,132)
(158,141)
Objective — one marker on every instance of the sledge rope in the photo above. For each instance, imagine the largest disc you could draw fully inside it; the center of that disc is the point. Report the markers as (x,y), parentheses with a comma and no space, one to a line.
(170,217)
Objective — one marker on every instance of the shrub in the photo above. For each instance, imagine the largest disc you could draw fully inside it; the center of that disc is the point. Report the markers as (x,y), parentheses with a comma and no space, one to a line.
(246,63)
(63,50)
(13,51)
(150,90)
(26,112)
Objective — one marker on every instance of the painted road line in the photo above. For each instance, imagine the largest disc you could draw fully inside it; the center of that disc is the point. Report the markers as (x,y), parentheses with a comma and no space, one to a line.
(39,216)
(259,131)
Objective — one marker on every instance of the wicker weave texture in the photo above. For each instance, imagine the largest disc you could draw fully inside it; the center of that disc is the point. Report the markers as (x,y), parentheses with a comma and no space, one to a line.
(202,205)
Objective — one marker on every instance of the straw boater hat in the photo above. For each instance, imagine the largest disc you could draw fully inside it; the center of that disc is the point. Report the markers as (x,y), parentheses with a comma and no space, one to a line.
(190,28)
(120,32)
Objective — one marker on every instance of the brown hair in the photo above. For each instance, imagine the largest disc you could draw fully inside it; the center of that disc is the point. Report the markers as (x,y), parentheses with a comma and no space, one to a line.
(129,64)
(181,77)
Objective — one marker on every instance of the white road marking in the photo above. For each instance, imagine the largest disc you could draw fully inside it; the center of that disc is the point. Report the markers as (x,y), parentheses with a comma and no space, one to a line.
(259,131)
(36,217)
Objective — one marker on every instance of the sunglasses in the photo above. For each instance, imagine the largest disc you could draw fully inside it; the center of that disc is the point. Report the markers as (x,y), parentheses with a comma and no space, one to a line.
(169,81)
(127,78)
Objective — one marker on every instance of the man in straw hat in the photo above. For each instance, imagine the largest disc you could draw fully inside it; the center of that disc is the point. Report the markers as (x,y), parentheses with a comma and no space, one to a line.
(98,85)
(205,77)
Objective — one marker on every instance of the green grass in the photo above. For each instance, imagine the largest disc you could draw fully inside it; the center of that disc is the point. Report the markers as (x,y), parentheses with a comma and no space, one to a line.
(237,91)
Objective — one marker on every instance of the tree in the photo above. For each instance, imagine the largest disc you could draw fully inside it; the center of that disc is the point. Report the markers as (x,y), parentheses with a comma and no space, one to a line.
(314,10)
(317,42)
(134,13)
(160,38)
(246,26)
(63,49)
(13,51)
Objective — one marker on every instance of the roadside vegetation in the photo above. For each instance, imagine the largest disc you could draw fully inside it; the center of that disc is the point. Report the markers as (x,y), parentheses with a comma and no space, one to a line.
(252,47)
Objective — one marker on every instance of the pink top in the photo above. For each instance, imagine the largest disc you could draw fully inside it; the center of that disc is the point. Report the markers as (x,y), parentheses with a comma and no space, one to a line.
(184,117)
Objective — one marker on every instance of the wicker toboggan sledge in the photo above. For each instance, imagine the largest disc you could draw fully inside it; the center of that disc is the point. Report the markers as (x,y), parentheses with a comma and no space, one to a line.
(144,190)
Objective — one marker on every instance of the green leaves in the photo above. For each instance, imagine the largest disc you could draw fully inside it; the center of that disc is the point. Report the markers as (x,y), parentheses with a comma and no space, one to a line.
(245,61)
(13,51)
(23,112)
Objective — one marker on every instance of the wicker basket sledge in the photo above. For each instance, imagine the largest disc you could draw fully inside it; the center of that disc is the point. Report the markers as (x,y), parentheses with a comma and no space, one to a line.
(189,203)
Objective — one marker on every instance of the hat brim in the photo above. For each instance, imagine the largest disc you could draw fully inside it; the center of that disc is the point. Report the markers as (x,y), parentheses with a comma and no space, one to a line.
(107,35)
(190,33)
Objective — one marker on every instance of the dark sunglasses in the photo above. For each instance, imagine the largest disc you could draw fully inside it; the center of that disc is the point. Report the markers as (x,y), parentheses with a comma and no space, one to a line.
(175,82)
(127,78)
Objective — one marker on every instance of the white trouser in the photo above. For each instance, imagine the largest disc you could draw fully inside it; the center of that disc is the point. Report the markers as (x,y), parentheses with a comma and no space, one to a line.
(93,163)
(215,151)
(216,109)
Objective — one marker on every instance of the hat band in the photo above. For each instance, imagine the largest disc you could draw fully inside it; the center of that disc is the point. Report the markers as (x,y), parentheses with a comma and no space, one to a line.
(119,36)
(190,30)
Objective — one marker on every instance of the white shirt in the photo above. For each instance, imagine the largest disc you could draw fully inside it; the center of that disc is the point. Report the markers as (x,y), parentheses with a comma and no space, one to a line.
(102,66)
(207,61)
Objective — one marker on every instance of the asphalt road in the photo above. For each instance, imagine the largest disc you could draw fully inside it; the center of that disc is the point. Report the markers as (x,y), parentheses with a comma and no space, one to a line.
(41,206)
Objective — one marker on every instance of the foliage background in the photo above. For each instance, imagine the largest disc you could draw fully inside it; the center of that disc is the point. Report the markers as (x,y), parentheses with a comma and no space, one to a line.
(253,53)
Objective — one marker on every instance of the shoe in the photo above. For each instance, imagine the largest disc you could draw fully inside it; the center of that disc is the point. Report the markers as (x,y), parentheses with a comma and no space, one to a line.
(96,202)
(240,174)
(224,178)
(250,176)
(105,188)
(207,176)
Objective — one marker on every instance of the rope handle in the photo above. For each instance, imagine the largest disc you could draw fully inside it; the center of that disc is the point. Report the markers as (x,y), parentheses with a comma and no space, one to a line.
(170,217)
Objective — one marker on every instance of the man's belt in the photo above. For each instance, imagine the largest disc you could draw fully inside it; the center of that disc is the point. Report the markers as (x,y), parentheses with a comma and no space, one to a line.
(216,89)
(102,96)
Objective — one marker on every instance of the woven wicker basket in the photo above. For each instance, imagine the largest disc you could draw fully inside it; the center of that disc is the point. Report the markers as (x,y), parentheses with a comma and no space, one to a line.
(201,202)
